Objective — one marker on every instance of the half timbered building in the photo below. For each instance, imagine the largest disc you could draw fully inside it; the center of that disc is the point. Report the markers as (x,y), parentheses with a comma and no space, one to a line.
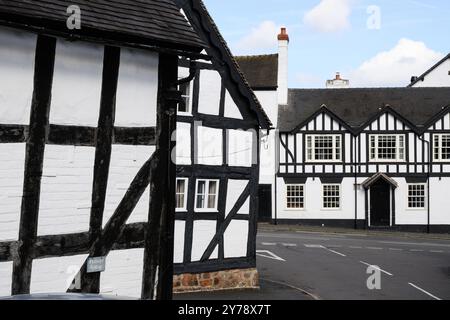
(89,119)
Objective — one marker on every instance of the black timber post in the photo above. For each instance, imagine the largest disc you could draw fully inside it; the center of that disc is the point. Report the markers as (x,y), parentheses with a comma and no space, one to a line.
(90,282)
(34,160)
(157,280)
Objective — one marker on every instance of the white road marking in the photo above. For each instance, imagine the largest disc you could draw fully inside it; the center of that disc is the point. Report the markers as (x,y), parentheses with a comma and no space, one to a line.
(315,246)
(426,292)
(355,247)
(416,250)
(338,253)
(268,254)
(370,265)
(288,244)
(416,243)
(334,246)
(437,251)
(374,248)
(395,249)
(318,246)
(268,244)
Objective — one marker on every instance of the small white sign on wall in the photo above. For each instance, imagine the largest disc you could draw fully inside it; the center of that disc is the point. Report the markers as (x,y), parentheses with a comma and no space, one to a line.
(96,264)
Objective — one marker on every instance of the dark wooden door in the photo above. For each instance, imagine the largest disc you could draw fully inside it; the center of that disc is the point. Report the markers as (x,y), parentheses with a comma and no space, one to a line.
(380,208)
(265,202)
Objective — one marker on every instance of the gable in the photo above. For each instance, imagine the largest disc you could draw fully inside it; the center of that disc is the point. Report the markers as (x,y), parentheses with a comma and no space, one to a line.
(388,120)
(224,62)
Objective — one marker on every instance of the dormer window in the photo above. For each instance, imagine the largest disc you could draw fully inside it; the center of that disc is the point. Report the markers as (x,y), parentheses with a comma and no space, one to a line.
(324,148)
(387,147)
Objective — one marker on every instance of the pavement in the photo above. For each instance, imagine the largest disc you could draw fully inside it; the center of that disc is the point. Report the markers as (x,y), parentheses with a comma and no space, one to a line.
(304,263)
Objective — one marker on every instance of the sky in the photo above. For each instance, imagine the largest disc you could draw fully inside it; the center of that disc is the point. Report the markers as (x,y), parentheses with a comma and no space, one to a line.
(373,43)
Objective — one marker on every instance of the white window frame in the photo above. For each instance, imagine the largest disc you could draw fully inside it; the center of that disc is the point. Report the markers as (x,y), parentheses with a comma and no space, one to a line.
(323,196)
(313,148)
(425,203)
(186,183)
(438,137)
(191,96)
(208,181)
(286,197)
(397,148)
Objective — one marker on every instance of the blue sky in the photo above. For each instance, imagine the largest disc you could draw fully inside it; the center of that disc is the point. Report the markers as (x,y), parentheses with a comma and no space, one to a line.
(327,36)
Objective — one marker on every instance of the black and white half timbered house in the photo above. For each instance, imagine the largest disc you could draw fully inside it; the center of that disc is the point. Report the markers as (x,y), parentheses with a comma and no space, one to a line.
(91,93)
(365,158)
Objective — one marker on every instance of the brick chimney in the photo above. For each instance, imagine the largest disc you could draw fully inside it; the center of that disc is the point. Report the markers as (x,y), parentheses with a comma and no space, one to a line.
(283,44)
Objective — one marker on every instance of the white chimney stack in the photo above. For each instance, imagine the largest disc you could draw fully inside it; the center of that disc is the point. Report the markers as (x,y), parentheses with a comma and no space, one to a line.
(283,44)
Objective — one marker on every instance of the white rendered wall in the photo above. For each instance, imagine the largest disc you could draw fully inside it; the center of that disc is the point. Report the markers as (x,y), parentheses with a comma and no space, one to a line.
(77,83)
(313,202)
(209,143)
(440,200)
(183,144)
(209,95)
(231,109)
(54,274)
(235,239)
(123,273)
(240,148)
(439,77)
(12,159)
(137,89)
(17,52)
(403,215)
(5,278)
(234,190)
(66,189)
(178,253)
(126,161)
(203,234)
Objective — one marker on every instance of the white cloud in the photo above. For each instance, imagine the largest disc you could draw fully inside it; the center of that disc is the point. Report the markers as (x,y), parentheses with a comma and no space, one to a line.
(264,36)
(329,16)
(395,66)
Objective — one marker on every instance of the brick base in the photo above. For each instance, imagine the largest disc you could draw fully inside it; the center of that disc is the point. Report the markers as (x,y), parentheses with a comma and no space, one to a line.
(213,281)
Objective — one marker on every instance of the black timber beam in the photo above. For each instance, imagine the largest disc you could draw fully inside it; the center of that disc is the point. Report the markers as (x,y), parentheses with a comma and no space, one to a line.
(157,279)
(34,159)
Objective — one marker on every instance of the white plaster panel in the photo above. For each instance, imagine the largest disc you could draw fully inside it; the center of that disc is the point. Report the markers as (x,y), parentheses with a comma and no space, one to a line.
(126,161)
(203,234)
(235,239)
(137,89)
(17,53)
(5,278)
(179,241)
(12,159)
(209,96)
(235,189)
(183,144)
(440,200)
(55,275)
(231,109)
(240,148)
(123,273)
(77,83)
(209,142)
(66,189)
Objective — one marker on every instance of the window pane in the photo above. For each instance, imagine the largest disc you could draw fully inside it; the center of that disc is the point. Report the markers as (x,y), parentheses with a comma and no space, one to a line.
(416,196)
(180,193)
(185,94)
(201,185)
(294,197)
(446,147)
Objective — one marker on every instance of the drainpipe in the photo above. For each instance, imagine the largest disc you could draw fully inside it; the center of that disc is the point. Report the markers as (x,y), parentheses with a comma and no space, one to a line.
(277,162)
(355,186)
(428,180)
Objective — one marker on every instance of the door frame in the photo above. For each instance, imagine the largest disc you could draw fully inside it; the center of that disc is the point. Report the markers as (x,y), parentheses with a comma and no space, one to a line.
(391,206)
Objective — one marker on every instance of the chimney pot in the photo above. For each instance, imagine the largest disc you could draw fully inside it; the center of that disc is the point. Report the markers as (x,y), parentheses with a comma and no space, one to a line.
(338,76)
(283,36)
